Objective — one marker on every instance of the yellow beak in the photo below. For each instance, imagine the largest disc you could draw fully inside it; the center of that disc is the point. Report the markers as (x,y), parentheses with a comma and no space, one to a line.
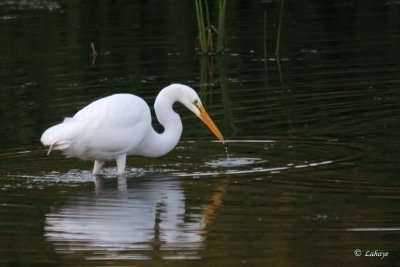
(210,124)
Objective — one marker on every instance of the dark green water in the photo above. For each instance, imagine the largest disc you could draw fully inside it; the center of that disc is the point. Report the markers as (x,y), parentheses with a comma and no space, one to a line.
(311,172)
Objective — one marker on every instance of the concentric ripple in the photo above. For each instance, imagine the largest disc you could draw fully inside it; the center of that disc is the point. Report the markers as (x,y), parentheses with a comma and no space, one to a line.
(189,159)
(261,156)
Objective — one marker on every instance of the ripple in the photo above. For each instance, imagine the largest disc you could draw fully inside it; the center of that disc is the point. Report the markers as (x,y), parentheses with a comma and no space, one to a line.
(273,156)
(191,159)
(26,5)
(374,229)
(233,162)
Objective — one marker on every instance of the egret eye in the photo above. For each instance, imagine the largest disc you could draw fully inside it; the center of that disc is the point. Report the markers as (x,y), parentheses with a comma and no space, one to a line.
(196,103)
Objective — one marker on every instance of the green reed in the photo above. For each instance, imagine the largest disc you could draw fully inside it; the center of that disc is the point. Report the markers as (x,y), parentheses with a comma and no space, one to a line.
(221,25)
(211,39)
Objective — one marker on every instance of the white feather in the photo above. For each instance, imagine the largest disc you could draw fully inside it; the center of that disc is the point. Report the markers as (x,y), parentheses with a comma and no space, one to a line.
(120,125)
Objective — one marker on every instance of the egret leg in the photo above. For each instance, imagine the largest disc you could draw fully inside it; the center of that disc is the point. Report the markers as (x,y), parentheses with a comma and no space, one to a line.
(121,163)
(97,166)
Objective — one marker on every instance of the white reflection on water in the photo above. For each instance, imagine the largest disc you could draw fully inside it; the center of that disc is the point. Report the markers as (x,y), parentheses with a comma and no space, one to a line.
(373,229)
(148,216)
(234,162)
(234,166)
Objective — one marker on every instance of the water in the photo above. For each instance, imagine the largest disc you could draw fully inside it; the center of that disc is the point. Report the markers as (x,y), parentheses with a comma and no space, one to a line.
(308,175)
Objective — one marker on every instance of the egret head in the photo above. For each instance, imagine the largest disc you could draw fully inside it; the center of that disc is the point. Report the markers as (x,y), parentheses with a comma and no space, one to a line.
(190,99)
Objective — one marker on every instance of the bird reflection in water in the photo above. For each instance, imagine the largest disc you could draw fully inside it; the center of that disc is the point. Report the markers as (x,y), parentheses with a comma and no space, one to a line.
(147,219)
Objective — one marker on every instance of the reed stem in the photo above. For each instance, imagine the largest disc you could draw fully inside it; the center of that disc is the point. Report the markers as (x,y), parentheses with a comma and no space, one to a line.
(200,26)
(209,36)
(221,25)
(278,38)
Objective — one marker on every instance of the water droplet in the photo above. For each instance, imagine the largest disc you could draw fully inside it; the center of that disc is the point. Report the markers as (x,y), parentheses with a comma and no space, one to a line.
(226,152)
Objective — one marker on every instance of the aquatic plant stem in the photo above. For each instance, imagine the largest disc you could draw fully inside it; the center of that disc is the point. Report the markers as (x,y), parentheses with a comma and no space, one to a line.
(221,25)
(209,36)
(94,53)
(209,28)
(265,39)
(200,26)
(278,38)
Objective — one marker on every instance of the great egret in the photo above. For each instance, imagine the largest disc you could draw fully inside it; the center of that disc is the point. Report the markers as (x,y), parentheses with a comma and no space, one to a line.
(120,125)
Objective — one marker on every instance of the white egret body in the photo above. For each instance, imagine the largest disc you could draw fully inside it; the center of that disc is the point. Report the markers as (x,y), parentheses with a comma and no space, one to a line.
(119,125)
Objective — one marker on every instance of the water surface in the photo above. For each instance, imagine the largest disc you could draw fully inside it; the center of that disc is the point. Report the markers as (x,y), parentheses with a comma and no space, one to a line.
(309,172)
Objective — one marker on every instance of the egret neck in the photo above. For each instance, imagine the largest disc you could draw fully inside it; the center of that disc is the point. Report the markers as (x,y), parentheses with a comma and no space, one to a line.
(158,144)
